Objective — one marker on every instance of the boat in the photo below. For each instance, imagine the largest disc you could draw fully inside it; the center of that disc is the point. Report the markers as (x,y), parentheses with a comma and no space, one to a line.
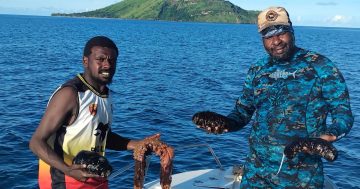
(211,178)
(219,178)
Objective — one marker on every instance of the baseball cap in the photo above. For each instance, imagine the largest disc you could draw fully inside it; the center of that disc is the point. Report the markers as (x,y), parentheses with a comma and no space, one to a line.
(273,21)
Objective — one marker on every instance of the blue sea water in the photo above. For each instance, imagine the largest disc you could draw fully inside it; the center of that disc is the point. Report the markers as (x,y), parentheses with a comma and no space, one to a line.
(166,72)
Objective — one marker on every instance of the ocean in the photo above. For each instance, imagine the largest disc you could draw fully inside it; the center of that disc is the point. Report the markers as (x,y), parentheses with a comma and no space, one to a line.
(166,72)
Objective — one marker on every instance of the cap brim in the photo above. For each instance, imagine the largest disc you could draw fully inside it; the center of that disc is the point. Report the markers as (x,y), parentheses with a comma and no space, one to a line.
(276,30)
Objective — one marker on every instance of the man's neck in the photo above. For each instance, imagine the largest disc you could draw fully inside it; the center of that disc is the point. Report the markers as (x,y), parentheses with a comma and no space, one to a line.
(95,85)
(289,58)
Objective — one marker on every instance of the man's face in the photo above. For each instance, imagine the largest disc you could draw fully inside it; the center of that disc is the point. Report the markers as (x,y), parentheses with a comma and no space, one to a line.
(101,64)
(280,46)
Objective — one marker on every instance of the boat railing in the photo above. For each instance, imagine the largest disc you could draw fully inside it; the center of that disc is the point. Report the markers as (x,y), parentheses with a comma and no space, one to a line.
(148,160)
(210,150)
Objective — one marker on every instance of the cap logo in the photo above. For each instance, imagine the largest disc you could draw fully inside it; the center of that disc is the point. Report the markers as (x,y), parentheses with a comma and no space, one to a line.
(271,15)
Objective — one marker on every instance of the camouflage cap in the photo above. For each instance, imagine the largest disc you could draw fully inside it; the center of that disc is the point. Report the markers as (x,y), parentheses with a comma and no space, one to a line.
(273,16)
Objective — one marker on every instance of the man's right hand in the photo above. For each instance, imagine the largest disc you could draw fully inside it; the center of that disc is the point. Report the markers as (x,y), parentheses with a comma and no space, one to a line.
(212,122)
(79,173)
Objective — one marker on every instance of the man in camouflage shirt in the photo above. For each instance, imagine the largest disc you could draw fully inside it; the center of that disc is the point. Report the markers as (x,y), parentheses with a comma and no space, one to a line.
(291,91)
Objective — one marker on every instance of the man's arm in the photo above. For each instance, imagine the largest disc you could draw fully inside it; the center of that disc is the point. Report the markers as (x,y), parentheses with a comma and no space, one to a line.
(117,142)
(337,97)
(60,111)
(244,107)
(213,122)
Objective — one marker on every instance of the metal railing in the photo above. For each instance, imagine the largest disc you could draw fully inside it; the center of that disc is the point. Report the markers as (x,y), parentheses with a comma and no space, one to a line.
(148,158)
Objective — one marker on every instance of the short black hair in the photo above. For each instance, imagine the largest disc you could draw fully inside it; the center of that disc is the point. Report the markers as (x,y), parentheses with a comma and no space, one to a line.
(101,41)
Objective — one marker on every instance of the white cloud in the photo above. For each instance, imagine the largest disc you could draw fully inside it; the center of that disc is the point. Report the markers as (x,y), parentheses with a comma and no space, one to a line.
(340,19)
(298,18)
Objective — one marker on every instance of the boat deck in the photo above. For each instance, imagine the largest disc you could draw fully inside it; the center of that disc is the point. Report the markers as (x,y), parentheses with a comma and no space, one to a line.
(211,178)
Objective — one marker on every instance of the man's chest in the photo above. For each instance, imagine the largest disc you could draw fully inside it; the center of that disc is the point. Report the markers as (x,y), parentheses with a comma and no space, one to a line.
(276,86)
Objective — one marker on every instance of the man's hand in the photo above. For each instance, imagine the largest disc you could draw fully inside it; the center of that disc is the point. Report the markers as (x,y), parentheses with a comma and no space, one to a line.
(152,137)
(79,173)
(212,122)
(329,138)
(311,146)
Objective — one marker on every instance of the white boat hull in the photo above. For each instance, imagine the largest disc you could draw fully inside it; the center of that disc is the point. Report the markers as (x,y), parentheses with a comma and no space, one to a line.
(210,178)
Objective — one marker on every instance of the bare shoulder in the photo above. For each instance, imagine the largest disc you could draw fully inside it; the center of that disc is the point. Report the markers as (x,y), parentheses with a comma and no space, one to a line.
(65,94)
(59,111)
(64,100)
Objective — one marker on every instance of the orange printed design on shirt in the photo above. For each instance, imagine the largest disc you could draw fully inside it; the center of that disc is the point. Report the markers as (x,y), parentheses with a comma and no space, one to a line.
(93,109)
(44,175)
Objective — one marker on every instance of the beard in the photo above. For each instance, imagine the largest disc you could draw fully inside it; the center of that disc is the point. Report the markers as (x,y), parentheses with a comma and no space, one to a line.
(99,79)
(283,51)
(285,55)
(108,81)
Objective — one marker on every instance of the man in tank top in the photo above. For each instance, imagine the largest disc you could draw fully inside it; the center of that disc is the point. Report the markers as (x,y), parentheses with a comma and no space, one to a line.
(290,92)
(79,117)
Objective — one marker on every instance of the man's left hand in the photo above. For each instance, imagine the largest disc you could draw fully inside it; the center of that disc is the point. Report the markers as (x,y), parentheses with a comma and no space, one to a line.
(329,138)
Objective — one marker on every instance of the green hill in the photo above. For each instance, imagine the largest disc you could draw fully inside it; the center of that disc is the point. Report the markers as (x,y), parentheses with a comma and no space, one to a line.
(173,10)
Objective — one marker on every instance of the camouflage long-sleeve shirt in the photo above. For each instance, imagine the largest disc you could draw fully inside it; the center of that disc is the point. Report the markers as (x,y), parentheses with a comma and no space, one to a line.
(290,99)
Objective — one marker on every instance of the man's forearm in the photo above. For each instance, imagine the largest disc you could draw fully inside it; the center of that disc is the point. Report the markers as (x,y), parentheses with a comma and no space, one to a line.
(117,142)
(46,154)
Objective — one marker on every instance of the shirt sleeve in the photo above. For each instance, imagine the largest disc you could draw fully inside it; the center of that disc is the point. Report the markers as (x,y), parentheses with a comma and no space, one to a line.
(336,95)
(116,142)
(244,106)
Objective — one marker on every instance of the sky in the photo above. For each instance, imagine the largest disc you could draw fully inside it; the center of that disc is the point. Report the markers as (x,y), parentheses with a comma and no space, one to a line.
(328,13)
